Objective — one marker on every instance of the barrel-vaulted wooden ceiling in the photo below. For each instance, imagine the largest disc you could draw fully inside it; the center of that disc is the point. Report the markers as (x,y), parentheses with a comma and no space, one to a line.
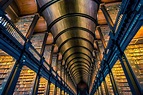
(74,31)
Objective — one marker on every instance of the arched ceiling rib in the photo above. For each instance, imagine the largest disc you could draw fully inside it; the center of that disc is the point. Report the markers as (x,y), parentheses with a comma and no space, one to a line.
(81,29)
(85,49)
(77,59)
(72,24)
(78,63)
(87,55)
(79,66)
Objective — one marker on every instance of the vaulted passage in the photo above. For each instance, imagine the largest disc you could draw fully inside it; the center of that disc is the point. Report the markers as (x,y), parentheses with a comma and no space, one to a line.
(73,27)
(71,47)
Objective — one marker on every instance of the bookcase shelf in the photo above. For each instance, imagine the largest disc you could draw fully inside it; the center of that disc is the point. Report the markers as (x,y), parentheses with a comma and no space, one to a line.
(134,53)
(62,92)
(103,88)
(109,85)
(52,87)
(42,86)
(6,65)
(58,91)
(99,90)
(25,82)
(120,79)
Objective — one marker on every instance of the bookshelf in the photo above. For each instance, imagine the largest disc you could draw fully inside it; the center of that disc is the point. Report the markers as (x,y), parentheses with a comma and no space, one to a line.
(42,86)
(120,78)
(58,91)
(66,93)
(109,85)
(99,90)
(63,92)
(134,54)
(52,87)
(6,65)
(25,82)
(103,88)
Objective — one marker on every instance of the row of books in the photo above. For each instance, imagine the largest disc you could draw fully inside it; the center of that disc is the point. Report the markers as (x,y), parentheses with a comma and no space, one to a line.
(42,86)
(25,82)
(52,87)
(103,88)
(6,65)
(58,91)
(109,85)
(134,53)
(120,79)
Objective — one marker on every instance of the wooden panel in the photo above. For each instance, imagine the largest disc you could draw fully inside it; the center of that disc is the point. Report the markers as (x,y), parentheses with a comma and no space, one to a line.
(14,17)
(26,6)
(101,18)
(50,39)
(55,48)
(97,34)
(41,25)
(95,45)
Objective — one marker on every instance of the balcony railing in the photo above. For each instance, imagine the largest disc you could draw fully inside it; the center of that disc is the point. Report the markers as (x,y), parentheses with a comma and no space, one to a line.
(12,30)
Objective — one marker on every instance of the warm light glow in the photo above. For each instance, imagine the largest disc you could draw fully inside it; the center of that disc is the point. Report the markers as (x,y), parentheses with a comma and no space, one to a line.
(139,33)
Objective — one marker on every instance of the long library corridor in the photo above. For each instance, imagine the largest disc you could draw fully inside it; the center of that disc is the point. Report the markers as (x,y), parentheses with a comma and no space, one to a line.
(71,47)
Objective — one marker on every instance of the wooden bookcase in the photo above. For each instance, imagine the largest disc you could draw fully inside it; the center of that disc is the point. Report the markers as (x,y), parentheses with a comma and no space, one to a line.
(42,86)
(6,66)
(109,85)
(58,91)
(103,88)
(120,79)
(52,87)
(25,82)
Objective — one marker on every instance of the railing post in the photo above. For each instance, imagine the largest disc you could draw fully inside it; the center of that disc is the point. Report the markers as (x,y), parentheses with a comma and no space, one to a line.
(115,89)
(32,26)
(60,91)
(55,90)
(113,83)
(48,88)
(36,85)
(101,36)
(100,87)
(105,86)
